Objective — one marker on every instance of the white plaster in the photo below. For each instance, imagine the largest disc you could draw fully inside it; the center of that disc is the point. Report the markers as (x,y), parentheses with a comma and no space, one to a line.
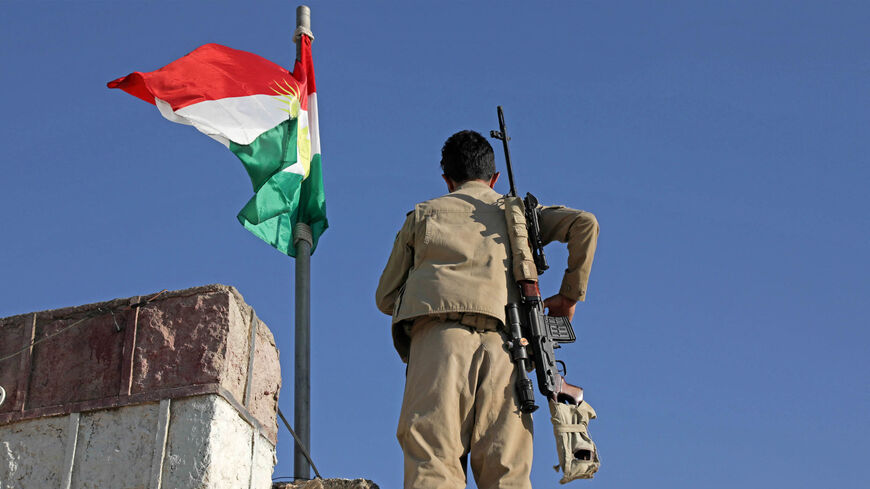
(230,440)
(31,453)
(208,446)
(115,448)
(263,463)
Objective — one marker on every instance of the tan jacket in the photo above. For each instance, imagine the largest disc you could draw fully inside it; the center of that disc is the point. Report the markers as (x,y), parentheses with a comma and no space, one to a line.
(453,255)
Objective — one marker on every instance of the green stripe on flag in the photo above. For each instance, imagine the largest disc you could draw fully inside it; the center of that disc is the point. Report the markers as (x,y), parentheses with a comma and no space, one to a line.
(312,202)
(281,198)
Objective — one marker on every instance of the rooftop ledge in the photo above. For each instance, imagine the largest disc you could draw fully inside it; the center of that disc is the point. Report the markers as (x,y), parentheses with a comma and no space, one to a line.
(179,344)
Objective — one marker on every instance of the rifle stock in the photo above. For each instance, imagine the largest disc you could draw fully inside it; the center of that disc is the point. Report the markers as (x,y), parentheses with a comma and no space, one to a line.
(569,393)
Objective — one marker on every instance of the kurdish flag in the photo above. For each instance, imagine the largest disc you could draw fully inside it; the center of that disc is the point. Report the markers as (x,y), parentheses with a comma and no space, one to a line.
(264,114)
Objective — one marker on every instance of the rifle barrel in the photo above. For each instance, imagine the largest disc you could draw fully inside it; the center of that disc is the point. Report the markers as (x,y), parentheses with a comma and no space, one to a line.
(503,135)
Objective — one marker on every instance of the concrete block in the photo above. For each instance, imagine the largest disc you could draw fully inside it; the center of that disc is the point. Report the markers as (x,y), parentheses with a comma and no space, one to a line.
(23,443)
(210,447)
(115,447)
(181,342)
(79,365)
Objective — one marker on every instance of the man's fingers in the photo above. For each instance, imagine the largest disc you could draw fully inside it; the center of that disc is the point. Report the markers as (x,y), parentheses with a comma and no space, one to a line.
(554,306)
(559,305)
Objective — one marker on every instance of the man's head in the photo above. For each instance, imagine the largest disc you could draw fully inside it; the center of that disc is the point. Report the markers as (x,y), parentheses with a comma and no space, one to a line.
(466,156)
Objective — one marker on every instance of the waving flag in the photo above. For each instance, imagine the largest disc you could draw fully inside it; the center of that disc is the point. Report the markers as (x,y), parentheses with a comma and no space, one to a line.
(264,114)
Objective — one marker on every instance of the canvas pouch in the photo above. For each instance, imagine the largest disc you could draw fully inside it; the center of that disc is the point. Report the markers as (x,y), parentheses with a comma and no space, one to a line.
(518,234)
(578,456)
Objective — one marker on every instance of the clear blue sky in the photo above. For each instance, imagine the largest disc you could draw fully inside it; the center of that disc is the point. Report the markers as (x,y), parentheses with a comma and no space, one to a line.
(722,145)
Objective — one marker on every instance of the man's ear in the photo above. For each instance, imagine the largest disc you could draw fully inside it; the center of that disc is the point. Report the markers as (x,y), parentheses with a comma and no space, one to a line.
(451,185)
(493,179)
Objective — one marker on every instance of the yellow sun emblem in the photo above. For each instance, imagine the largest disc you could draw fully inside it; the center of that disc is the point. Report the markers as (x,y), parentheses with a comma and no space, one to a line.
(288,95)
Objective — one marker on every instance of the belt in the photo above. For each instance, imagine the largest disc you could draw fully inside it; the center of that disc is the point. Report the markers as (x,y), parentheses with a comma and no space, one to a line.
(478,322)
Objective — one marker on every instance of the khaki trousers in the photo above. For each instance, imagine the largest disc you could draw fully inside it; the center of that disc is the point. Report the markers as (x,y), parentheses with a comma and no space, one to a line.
(460,399)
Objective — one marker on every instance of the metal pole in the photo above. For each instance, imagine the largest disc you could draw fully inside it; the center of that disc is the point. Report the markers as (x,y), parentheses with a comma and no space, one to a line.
(302,374)
(303,26)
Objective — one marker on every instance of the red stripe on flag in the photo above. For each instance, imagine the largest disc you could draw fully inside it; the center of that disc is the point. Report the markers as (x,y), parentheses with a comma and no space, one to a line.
(213,72)
(307,65)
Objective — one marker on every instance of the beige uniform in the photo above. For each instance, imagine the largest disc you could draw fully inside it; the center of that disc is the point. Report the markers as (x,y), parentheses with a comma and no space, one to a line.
(446,285)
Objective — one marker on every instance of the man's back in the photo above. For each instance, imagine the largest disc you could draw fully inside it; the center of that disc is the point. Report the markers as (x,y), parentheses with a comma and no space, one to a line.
(459,258)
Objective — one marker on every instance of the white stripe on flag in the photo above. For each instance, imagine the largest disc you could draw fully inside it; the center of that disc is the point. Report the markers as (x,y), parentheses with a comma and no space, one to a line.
(237,119)
(313,124)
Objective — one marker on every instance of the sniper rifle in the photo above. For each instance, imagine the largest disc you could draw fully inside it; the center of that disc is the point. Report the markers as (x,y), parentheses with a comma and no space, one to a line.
(534,335)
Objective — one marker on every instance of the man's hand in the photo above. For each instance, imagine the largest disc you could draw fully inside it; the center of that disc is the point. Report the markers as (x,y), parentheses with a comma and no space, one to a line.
(559,305)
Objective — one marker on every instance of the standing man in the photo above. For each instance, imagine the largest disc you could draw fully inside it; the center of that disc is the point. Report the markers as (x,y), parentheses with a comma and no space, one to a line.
(446,285)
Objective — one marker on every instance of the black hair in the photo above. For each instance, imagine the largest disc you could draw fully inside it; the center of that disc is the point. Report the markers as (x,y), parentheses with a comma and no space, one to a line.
(466,156)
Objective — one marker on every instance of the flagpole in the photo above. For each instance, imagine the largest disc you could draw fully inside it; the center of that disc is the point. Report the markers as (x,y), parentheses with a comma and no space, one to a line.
(302,240)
